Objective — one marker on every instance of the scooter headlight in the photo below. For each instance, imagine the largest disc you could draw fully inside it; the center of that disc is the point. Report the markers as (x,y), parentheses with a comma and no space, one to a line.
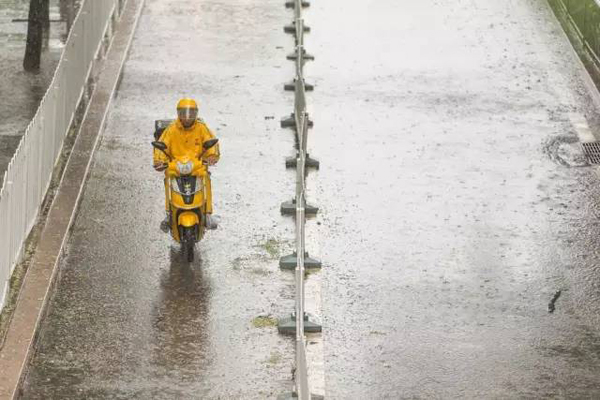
(185,168)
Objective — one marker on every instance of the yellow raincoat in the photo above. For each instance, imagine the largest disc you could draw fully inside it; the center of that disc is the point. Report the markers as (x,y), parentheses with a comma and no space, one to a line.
(187,142)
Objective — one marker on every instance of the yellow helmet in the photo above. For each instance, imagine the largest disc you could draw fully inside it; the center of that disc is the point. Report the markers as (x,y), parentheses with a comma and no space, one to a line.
(187,112)
(187,103)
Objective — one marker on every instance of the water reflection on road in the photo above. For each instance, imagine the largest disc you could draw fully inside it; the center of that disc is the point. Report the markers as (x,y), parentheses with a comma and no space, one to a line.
(180,341)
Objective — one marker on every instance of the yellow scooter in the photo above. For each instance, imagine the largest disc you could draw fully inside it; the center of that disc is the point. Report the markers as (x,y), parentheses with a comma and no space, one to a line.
(187,181)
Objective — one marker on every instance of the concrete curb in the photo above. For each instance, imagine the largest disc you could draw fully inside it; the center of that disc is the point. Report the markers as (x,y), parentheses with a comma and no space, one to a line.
(37,286)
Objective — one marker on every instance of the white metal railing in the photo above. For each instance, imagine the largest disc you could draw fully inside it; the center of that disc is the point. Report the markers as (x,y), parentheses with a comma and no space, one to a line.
(29,172)
(302,386)
(301,122)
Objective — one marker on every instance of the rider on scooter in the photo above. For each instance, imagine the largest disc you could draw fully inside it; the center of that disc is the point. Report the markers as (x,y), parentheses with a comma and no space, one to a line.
(185,136)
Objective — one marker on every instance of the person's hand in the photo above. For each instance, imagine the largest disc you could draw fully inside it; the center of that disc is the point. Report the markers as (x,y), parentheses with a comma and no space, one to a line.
(211,160)
(161,166)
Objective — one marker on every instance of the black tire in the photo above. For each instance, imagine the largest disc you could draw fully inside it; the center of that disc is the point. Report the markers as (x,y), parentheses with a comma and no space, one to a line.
(188,252)
(187,244)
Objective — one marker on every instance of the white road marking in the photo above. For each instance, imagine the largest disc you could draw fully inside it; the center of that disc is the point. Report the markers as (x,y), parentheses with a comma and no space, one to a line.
(314,348)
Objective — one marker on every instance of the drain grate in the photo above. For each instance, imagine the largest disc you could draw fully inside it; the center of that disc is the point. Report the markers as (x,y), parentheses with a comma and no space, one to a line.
(592,152)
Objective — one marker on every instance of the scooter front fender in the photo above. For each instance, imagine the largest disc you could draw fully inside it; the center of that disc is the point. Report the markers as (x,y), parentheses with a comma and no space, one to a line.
(188,219)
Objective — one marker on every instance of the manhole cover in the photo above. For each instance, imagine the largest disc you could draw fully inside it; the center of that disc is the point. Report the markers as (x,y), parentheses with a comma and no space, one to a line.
(592,152)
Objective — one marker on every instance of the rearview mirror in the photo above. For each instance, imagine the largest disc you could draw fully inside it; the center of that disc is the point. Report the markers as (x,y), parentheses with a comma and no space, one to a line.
(210,143)
(159,146)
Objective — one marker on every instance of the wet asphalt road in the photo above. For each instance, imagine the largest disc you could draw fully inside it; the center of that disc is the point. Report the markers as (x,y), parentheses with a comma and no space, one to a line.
(129,319)
(454,203)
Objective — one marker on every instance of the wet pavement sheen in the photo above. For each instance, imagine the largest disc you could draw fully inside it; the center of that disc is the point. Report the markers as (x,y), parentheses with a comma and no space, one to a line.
(129,319)
(455,205)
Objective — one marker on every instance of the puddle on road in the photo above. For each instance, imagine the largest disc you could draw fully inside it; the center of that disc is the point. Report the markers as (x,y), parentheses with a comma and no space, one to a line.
(565,150)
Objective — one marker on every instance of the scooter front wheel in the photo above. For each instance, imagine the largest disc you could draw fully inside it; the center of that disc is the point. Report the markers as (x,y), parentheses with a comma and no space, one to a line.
(187,244)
